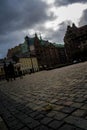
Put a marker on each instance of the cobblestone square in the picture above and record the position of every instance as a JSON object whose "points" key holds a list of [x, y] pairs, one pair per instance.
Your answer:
{"points": [[53, 99]]}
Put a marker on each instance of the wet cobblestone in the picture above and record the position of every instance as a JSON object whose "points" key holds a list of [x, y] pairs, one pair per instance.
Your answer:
{"points": [[46, 100]]}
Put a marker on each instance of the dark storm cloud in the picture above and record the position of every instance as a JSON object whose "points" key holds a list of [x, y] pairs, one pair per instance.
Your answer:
{"points": [[22, 14], [58, 35], [67, 2], [9, 41], [17, 16], [83, 19]]}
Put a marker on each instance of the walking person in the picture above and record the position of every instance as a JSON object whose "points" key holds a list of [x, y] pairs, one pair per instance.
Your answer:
{"points": [[11, 71], [6, 71]]}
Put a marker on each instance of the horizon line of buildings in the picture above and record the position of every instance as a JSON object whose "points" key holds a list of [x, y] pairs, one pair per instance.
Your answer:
{"points": [[37, 54]]}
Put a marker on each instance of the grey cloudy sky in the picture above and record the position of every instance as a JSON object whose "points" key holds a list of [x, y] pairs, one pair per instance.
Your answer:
{"points": [[49, 18]]}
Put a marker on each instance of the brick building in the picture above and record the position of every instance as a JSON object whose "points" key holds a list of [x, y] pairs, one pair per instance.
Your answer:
{"points": [[47, 54], [14, 51], [76, 43]]}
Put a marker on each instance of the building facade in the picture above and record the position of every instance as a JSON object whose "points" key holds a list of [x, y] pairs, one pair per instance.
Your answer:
{"points": [[47, 54], [28, 64], [76, 43]]}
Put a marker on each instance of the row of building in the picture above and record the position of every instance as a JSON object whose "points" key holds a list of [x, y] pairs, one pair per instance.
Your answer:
{"points": [[75, 40], [37, 54]]}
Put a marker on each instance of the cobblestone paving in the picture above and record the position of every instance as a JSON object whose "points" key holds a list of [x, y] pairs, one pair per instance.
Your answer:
{"points": [[46, 100]]}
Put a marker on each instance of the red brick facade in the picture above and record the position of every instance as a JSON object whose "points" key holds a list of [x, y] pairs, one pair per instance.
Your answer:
{"points": [[48, 54], [76, 43]]}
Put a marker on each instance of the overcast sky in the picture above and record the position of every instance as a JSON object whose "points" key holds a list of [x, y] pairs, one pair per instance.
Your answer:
{"points": [[48, 18]]}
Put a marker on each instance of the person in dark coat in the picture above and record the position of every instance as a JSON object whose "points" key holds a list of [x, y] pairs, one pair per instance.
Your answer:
{"points": [[11, 71], [6, 72]]}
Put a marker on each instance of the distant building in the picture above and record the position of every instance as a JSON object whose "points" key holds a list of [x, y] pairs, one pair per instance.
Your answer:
{"points": [[76, 43], [14, 51], [28, 64], [47, 54]]}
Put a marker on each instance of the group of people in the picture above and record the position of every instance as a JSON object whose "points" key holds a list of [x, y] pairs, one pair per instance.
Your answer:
{"points": [[9, 71]]}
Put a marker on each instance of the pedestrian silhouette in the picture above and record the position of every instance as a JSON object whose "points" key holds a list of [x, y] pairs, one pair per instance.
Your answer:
{"points": [[11, 71], [6, 71]]}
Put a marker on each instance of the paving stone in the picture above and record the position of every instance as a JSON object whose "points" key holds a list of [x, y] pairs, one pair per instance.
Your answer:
{"points": [[69, 127], [52, 113], [80, 100], [15, 112], [79, 122], [53, 101], [27, 120], [60, 102], [42, 127], [79, 113], [44, 112], [84, 107], [60, 115], [10, 119], [34, 114], [77, 105], [7, 116], [39, 117], [15, 125], [46, 120], [18, 126], [21, 116], [57, 107], [33, 124], [12, 110], [55, 124], [39, 102], [68, 109], [39, 108], [68, 103], [24, 128]]}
